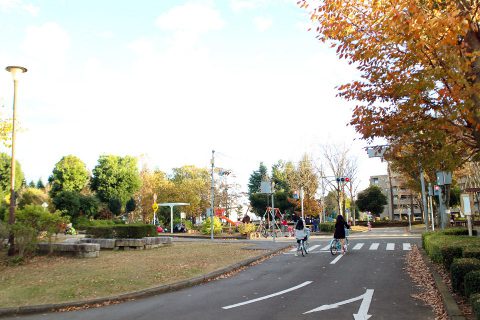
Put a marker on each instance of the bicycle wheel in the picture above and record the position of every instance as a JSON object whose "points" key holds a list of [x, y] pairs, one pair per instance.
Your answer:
{"points": [[306, 245], [265, 233], [334, 247], [302, 247]]}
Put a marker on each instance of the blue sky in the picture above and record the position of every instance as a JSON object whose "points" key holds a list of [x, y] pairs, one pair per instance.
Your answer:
{"points": [[169, 81]]}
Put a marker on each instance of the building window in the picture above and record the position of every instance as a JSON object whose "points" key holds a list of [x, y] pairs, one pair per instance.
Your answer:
{"points": [[375, 181]]}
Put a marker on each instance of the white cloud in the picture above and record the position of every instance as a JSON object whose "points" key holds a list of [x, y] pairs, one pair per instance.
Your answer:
{"points": [[262, 23], [11, 5], [46, 46], [192, 18]]}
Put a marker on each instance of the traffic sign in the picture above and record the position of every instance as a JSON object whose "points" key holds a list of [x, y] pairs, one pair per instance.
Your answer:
{"points": [[155, 207]]}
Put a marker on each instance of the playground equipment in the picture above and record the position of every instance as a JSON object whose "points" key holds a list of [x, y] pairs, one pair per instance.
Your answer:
{"points": [[220, 213]]}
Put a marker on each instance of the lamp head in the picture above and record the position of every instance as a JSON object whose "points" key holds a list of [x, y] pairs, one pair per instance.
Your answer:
{"points": [[16, 71]]}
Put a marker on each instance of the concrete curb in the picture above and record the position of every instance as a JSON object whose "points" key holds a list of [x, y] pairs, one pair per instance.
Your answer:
{"points": [[4, 312], [449, 302]]}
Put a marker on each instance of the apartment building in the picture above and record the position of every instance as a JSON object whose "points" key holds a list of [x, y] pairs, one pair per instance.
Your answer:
{"points": [[403, 199]]}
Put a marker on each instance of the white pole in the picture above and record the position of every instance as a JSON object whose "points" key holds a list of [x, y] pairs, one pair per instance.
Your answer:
{"points": [[301, 198], [273, 215], [171, 219]]}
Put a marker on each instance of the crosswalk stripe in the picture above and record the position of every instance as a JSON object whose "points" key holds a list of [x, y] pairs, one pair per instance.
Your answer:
{"points": [[374, 246], [358, 246], [294, 249], [313, 247], [406, 246], [390, 246], [327, 247]]}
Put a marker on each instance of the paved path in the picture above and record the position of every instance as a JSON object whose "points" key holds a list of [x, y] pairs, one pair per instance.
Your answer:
{"points": [[368, 280]]}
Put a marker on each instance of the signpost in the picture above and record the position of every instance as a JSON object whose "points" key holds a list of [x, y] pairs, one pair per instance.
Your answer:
{"points": [[466, 209]]}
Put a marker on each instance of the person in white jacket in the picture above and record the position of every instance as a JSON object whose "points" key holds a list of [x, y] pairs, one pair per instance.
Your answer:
{"points": [[300, 233]]}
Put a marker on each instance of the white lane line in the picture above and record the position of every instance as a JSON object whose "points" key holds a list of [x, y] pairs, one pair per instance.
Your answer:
{"points": [[336, 259], [313, 247], [358, 246], [374, 246], [390, 246], [327, 247], [306, 283], [406, 246]]}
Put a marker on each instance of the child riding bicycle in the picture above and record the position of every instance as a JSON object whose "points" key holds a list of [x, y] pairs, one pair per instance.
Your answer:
{"points": [[301, 234], [341, 229]]}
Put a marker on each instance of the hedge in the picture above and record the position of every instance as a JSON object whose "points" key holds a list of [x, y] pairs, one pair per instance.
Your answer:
{"points": [[459, 269], [129, 231], [433, 242], [327, 227], [449, 253], [472, 283], [473, 252], [458, 232], [475, 302]]}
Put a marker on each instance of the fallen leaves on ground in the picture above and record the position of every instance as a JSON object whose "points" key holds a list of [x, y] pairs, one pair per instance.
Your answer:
{"points": [[423, 278]]}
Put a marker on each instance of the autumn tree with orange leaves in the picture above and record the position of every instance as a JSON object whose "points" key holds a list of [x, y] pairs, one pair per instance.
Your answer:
{"points": [[420, 70]]}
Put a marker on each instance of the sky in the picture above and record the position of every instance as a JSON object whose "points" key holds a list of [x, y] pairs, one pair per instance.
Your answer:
{"points": [[170, 81]]}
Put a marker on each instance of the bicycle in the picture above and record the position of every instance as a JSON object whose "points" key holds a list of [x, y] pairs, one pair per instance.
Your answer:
{"points": [[304, 244], [336, 245]]}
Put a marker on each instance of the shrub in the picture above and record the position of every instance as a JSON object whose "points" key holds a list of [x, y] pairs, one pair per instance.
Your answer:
{"points": [[25, 238], [129, 231], [327, 227], [217, 226], [472, 283], [246, 228], [475, 302], [83, 223], [471, 252], [458, 270], [449, 253], [189, 224], [458, 232]]}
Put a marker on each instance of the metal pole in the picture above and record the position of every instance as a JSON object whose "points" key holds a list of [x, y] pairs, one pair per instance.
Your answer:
{"points": [[323, 200], [424, 198], [11, 217], [338, 193], [273, 214], [441, 209], [213, 197]]}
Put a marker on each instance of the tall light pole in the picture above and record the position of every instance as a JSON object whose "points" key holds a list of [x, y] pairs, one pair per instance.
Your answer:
{"points": [[15, 71], [213, 196]]}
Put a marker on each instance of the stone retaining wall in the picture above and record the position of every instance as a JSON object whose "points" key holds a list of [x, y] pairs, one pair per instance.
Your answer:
{"points": [[80, 250]]}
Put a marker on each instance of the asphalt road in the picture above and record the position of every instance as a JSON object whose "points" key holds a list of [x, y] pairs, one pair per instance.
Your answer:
{"points": [[367, 282]]}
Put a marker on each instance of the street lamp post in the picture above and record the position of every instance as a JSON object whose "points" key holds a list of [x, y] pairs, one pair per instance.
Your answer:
{"points": [[15, 71]]}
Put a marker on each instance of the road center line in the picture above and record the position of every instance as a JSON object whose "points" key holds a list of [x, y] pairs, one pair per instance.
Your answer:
{"points": [[336, 259], [306, 283]]}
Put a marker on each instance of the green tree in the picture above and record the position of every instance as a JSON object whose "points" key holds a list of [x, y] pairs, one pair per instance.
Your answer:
{"points": [[31, 184], [88, 205], [371, 199], [130, 205], [32, 196], [256, 179], [116, 177], [40, 184], [5, 165], [115, 206], [69, 203], [69, 174]]}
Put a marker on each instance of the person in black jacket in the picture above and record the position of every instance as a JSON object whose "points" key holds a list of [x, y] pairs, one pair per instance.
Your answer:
{"points": [[340, 226]]}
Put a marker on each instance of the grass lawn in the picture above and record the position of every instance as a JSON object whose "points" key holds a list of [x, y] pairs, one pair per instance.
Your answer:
{"points": [[59, 279]]}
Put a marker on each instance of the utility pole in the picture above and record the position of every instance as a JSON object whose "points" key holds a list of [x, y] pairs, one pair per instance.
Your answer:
{"points": [[213, 197]]}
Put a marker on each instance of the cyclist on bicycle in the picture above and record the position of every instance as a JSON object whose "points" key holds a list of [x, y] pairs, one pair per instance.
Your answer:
{"points": [[300, 233], [340, 226]]}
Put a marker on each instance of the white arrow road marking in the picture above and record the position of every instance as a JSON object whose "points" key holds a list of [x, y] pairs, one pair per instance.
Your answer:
{"points": [[362, 313], [406, 246], [336, 259], [306, 283], [390, 246]]}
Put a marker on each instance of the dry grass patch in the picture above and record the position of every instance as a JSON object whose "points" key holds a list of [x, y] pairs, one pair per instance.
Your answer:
{"points": [[57, 279]]}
